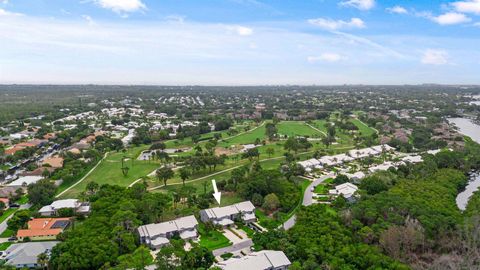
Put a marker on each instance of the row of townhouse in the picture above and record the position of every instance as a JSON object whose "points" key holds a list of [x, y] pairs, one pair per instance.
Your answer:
{"points": [[156, 235], [327, 161]]}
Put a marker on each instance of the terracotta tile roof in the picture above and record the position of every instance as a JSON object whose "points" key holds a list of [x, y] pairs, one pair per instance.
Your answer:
{"points": [[44, 223], [13, 150], [55, 162], [49, 136], [32, 233], [41, 227]]}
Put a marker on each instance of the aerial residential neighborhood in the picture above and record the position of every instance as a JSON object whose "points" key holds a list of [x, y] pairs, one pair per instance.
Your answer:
{"points": [[239, 193], [240, 135]]}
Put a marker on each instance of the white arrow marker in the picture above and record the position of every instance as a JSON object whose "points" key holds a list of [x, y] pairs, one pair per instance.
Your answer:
{"points": [[217, 195]]}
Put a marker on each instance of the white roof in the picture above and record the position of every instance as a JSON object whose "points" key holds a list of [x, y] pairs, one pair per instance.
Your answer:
{"points": [[434, 152], [159, 241], [227, 211], [157, 229], [224, 222], [221, 212], [246, 206], [25, 179], [46, 209], [249, 216], [262, 260], [67, 203], [413, 159], [27, 253], [382, 167], [187, 222], [188, 234], [346, 189], [358, 175]]}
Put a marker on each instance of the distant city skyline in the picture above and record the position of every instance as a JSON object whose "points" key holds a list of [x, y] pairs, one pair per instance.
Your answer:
{"points": [[240, 42]]}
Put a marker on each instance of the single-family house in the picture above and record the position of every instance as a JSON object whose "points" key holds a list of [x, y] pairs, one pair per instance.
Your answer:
{"points": [[25, 255], [346, 189], [43, 229], [412, 159], [54, 162], [225, 216], [78, 207], [356, 176], [25, 181], [262, 260], [381, 167], [6, 202], [156, 235]]}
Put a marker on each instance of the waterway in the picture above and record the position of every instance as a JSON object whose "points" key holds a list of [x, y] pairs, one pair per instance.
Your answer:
{"points": [[468, 128]]}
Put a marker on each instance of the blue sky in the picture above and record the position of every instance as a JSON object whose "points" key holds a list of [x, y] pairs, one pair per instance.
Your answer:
{"points": [[240, 42]]}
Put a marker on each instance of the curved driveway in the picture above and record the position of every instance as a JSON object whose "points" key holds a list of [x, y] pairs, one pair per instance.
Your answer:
{"points": [[307, 198]]}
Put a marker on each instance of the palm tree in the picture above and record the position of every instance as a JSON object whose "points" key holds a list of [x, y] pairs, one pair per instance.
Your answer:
{"points": [[184, 174], [42, 259]]}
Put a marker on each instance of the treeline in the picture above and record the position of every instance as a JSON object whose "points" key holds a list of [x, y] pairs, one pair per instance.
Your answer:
{"points": [[109, 232], [320, 240], [405, 218]]}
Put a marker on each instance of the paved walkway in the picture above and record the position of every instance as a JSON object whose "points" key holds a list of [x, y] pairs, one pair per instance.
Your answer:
{"points": [[83, 178], [244, 132], [213, 174], [231, 236], [325, 134]]}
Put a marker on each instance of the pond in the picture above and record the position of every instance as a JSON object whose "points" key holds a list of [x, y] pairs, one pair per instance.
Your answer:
{"points": [[468, 128]]}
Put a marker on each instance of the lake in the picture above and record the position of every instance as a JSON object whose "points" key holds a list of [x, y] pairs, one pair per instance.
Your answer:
{"points": [[468, 128]]}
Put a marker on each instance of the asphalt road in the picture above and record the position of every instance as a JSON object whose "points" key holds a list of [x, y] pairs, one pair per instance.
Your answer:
{"points": [[233, 248]]}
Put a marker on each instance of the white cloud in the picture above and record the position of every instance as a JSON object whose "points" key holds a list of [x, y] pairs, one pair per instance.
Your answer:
{"points": [[4, 2], [450, 18], [329, 24], [469, 6], [126, 52], [89, 19], [326, 57], [4, 12], [120, 6], [384, 50], [477, 24], [435, 57], [359, 4], [175, 18], [397, 10], [241, 30]]}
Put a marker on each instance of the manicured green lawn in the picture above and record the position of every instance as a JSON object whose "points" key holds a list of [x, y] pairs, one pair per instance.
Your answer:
{"points": [[297, 128], [321, 189], [246, 138], [265, 220], [320, 124], [213, 239], [364, 129], [247, 230], [7, 233], [23, 200], [4, 246], [7, 213], [109, 171], [226, 256]]}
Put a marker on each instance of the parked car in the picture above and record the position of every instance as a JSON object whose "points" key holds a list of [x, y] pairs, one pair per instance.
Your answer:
{"points": [[14, 205], [12, 238]]}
